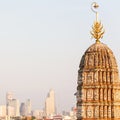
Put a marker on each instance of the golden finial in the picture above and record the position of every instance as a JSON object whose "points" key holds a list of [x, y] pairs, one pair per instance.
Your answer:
{"points": [[97, 28]]}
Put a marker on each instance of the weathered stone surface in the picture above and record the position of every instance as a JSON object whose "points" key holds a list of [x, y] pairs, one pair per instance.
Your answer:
{"points": [[98, 90]]}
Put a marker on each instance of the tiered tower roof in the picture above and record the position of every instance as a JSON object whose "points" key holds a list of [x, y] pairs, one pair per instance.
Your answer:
{"points": [[98, 89]]}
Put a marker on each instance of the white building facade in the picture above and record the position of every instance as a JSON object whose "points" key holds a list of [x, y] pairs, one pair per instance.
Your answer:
{"points": [[50, 103]]}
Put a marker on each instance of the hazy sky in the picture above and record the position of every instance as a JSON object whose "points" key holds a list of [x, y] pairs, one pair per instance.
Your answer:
{"points": [[41, 44]]}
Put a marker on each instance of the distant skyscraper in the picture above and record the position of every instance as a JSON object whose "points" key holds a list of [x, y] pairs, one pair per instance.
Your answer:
{"points": [[50, 103], [28, 107], [12, 105], [22, 109], [9, 97], [15, 104]]}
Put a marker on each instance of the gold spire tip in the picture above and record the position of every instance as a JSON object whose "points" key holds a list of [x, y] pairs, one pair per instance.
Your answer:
{"points": [[97, 28]]}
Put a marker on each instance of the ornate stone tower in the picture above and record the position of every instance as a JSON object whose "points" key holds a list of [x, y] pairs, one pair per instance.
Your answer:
{"points": [[98, 89]]}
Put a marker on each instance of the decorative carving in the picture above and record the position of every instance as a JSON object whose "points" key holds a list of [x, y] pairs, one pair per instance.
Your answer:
{"points": [[96, 112], [109, 112], [105, 94], [104, 77], [89, 78], [101, 111], [112, 77], [89, 112], [117, 95], [101, 94], [96, 94], [86, 60], [89, 94], [98, 91], [84, 94], [108, 77], [117, 112], [96, 59], [105, 111], [83, 111], [109, 94], [91, 60], [112, 94], [97, 31], [96, 77]]}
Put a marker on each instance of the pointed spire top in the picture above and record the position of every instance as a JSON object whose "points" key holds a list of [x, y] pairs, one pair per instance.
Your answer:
{"points": [[94, 8], [97, 28]]}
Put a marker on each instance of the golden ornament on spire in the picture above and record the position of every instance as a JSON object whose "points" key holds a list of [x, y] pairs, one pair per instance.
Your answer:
{"points": [[97, 31], [97, 28]]}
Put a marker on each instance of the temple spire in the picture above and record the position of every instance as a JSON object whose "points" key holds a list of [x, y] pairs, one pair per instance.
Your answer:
{"points": [[97, 28]]}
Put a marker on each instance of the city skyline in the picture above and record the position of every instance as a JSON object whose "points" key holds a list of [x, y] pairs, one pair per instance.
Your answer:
{"points": [[42, 43], [14, 107], [20, 110]]}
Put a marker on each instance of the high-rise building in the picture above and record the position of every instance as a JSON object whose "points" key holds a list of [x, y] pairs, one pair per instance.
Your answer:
{"points": [[9, 97], [50, 103], [22, 109], [28, 107], [12, 105], [98, 89], [16, 105]]}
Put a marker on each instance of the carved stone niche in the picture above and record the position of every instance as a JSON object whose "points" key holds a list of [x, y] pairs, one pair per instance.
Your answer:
{"points": [[101, 94], [89, 94], [86, 61], [96, 77], [91, 60], [105, 94], [105, 111], [104, 77], [100, 76], [109, 94], [108, 77], [96, 112], [96, 94], [89, 112], [89, 78], [83, 112], [96, 59], [117, 111], [111, 77], [109, 111], [101, 111], [117, 95], [81, 78], [100, 59]]}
